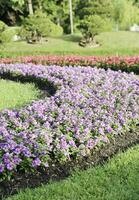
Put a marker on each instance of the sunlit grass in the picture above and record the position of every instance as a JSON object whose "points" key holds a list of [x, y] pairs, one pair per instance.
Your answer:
{"points": [[13, 94], [112, 43]]}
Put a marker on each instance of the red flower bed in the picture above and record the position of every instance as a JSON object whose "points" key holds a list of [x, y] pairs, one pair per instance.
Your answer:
{"points": [[128, 64]]}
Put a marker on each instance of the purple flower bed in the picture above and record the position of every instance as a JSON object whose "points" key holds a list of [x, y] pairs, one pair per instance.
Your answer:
{"points": [[90, 106]]}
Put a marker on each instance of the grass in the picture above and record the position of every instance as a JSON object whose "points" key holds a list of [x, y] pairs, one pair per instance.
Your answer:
{"points": [[112, 43], [116, 180], [13, 94]]}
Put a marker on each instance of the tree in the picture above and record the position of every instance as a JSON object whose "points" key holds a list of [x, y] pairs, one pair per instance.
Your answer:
{"points": [[121, 12], [93, 17], [11, 10], [91, 26], [136, 2], [125, 14], [71, 16], [130, 16], [102, 8], [118, 12], [30, 7], [58, 11]]}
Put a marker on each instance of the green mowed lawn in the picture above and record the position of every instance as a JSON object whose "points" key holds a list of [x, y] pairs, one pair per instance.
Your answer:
{"points": [[116, 180], [13, 94], [112, 43]]}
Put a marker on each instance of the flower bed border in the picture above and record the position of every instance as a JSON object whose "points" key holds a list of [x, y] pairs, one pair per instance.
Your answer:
{"points": [[123, 63]]}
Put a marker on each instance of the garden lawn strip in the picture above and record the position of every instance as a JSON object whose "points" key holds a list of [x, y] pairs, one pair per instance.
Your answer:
{"points": [[16, 95], [112, 43]]}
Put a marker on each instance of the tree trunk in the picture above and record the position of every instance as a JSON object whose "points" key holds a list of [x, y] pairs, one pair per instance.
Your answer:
{"points": [[117, 26], [30, 7], [71, 16]]}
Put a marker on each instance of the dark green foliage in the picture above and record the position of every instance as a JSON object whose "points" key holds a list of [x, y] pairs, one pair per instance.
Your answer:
{"points": [[102, 8], [58, 11], [136, 2], [11, 11]]}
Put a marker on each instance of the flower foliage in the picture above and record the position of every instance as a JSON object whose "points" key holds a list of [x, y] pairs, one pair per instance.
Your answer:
{"points": [[128, 64], [90, 106]]}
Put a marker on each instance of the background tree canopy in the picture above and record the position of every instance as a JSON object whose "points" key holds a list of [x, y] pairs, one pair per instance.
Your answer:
{"points": [[90, 17], [13, 11]]}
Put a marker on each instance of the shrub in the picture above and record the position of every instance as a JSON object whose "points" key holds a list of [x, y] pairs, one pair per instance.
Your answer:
{"points": [[9, 33], [56, 30], [93, 25], [38, 26], [3, 26]]}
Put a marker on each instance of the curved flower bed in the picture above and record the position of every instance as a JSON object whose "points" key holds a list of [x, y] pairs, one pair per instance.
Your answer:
{"points": [[128, 64], [90, 106]]}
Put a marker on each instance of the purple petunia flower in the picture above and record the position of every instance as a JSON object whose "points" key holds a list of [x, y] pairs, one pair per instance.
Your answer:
{"points": [[1, 168], [36, 162]]}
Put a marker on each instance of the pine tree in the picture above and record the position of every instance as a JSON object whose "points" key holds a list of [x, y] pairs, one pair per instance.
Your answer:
{"points": [[95, 18], [103, 8]]}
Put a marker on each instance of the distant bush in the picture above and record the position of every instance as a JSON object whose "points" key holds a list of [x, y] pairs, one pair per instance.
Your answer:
{"points": [[125, 14], [39, 26], [56, 30], [3, 26], [9, 33]]}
